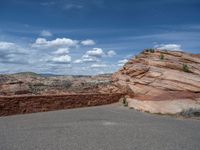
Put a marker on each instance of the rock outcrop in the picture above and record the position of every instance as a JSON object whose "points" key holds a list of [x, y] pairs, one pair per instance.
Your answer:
{"points": [[161, 81]]}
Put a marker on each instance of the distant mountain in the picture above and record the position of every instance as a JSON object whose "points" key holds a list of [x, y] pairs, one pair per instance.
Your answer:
{"points": [[56, 75], [50, 75], [27, 73]]}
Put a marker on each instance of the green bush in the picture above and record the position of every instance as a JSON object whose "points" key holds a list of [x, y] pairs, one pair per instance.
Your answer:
{"points": [[162, 57], [185, 68], [151, 50], [191, 112], [125, 103]]}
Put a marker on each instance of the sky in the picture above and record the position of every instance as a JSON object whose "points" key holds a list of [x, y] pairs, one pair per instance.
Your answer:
{"points": [[89, 37]]}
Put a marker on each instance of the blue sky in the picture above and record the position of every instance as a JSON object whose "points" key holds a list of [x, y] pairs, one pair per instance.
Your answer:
{"points": [[91, 36]]}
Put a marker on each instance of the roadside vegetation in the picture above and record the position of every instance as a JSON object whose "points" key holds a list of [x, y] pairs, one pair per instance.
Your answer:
{"points": [[192, 112], [125, 102]]}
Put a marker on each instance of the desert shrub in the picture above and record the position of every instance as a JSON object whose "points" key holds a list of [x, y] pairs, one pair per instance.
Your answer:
{"points": [[162, 57], [125, 103], [151, 50], [61, 84], [34, 89], [39, 84], [192, 112], [185, 68]]}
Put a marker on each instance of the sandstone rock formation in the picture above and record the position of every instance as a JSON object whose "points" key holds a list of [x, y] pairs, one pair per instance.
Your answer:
{"points": [[161, 81]]}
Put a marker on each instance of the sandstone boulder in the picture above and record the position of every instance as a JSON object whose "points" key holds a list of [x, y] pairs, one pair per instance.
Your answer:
{"points": [[154, 79]]}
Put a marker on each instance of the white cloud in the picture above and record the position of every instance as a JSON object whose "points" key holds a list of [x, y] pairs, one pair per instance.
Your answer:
{"points": [[98, 65], [78, 61], [86, 59], [59, 42], [95, 52], [7, 45], [62, 59], [89, 59], [173, 47], [111, 53], [11, 53], [46, 33], [122, 62], [72, 6], [91, 56], [52, 56], [88, 42], [62, 51]]}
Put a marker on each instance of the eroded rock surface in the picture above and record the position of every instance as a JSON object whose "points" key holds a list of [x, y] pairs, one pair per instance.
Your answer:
{"points": [[153, 79]]}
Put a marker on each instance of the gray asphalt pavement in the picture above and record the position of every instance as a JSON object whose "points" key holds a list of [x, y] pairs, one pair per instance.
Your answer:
{"points": [[110, 127]]}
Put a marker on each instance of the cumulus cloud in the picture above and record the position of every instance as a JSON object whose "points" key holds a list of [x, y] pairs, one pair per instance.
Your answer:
{"points": [[98, 65], [88, 42], [94, 55], [62, 59], [46, 33], [59, 42], [61, 51], [173, 47], [91, 56], [95, 52], [122, 62], [111, 53]]}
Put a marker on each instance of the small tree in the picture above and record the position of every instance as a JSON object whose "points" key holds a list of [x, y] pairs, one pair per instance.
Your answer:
{"points": [[185, 68]]}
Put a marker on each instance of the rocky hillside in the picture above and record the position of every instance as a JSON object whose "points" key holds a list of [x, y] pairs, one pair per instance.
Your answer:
{"points": [[34, 84], [161, 81]]}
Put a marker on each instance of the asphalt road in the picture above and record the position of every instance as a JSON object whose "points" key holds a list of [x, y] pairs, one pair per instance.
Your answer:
{"points": [[110, 127]]}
